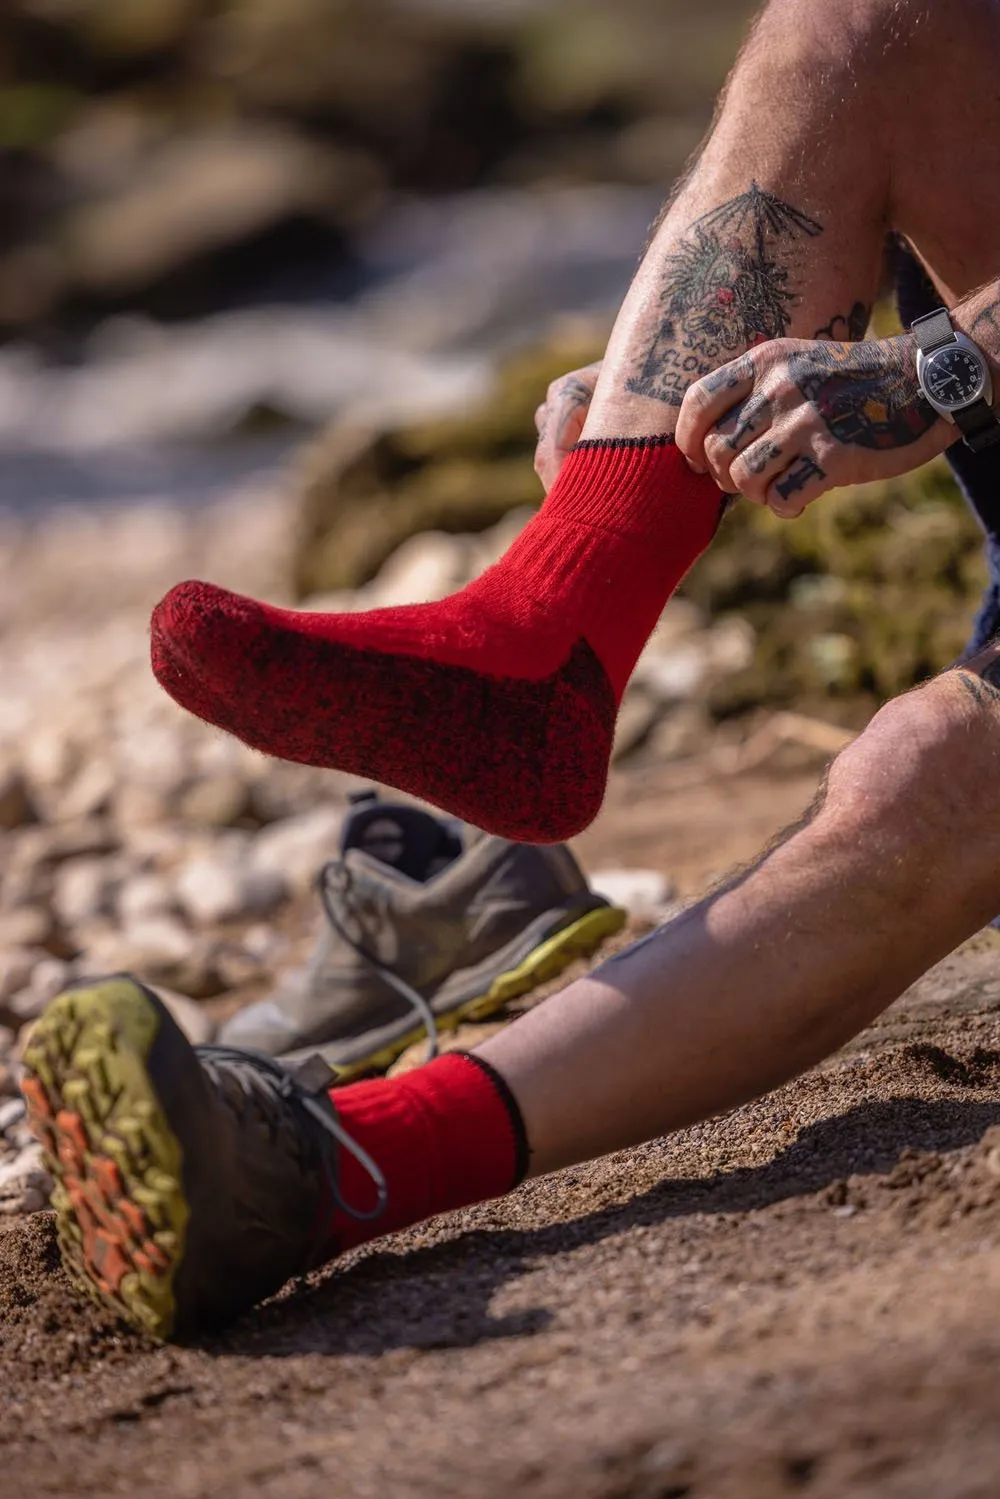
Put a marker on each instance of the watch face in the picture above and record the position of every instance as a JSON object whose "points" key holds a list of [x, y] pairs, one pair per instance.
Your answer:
{"points": [[954, 377]]}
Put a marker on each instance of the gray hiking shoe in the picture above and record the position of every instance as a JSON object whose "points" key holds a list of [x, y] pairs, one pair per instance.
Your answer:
{"points": [[191, 1182], [429, 924]]}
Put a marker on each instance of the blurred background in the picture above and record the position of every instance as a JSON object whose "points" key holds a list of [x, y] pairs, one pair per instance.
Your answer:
{"points": [[281, 285]]}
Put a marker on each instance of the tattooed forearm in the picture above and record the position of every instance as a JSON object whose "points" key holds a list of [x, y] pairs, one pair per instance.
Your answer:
{"points": [[866, 393], [762, 455], [847, 329], [727, 286], [802, 472]]}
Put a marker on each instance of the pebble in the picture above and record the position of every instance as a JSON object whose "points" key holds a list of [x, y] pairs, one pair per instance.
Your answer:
{"points": [[641, 892], [212, 890], [83, 890], [297, 847]]}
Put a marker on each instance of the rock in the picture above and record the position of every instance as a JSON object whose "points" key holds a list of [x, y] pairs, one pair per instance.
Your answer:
{"points": [[17, 808], [198, 1027], [422, 569], [463, 1038], [143, 897], [211, 890], [26, 926], [363, 493], [297, 847], [642, 892], [674, 674], [11, 1113], [88, 795], [162, 952], [215, 801], [48, 978], [25, 1185], [636, 718], [83, 890], [16, 968]]}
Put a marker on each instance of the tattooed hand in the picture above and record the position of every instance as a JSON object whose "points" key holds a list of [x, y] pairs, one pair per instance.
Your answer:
{"points": [[560, 418], [792, 419]]}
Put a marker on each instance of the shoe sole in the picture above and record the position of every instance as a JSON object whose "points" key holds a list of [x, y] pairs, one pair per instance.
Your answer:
{"points": [[121, 1212], [577, 940]]}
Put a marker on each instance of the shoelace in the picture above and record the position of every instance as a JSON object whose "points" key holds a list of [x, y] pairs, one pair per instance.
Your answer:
{"points": [[336, 873], [297, 1088]]}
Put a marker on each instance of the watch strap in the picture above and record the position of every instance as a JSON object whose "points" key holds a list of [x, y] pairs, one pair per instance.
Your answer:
{"points": [[978, 425], [933, 331]]}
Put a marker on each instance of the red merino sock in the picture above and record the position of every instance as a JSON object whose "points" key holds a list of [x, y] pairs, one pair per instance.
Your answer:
{"points": [[444, 1136], [498, 703]]}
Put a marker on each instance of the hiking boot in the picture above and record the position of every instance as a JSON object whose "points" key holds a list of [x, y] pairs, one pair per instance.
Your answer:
{"points": [[429, 923], [191, 1182]]}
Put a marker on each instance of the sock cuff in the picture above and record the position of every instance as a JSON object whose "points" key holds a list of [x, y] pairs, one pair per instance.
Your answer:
{"points": [[522, 1150], [664, 440]]}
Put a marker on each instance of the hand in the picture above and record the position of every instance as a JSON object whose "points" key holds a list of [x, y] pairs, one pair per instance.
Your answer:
{"points": [[791, 419], [560, 418]]}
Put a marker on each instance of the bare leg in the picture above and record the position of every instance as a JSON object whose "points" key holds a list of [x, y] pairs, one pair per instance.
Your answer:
{"points": [[899, 863], [836, 126]]}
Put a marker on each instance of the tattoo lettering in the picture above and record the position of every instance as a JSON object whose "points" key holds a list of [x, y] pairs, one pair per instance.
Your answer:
{"points": [[847, 329], [747, 417], [761, 455], [726, 288], [799, 477], [866, 393], [730, 376]]}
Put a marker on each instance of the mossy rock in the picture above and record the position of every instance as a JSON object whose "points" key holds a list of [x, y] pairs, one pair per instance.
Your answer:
{"points": [[871, 591], [362, 493]]}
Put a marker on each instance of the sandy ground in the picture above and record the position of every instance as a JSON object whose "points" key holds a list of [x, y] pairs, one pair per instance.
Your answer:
{"points": [[799, 1297]]}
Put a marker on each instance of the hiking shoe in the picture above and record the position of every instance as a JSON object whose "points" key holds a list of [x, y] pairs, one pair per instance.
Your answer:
{"points": [[429, 923], [191, 1182]]}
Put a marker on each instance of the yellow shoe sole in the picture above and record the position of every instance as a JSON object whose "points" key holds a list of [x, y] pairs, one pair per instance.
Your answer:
{"points": [[121, 1213], [578, 940]]}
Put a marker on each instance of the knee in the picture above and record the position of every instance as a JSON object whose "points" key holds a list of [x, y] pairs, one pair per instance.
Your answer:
{"points": [[924, 777]]}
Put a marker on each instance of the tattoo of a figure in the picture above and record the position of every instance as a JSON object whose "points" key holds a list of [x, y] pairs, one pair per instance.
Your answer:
{"points": [[866, 393], [801, 474], [761, 455], [727, 287], [847, 329]]}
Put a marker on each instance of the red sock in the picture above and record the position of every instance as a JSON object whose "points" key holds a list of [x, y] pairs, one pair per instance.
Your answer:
{"points": [[444, 1136], [498, 703]]}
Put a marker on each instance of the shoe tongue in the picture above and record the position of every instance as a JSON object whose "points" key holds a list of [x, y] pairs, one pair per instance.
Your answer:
{"points": [[415, 842]]}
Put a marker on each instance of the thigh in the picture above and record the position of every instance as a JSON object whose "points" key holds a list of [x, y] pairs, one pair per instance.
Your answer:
{"points": [[944, 142]]}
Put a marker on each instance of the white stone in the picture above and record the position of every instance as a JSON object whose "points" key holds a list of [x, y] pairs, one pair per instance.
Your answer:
{"points": [[298, 846], [48, 978], [88, 794], [11, 1113], [16, 968], [641, 892], [25, 926], [82, 890], [423, 568], [673, 675], [211, 890], [143, 897], [197, 1026], [150, 943]]}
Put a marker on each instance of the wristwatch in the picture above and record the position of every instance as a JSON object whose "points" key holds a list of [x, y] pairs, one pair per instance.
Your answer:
{"points": [[954, 376]]}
